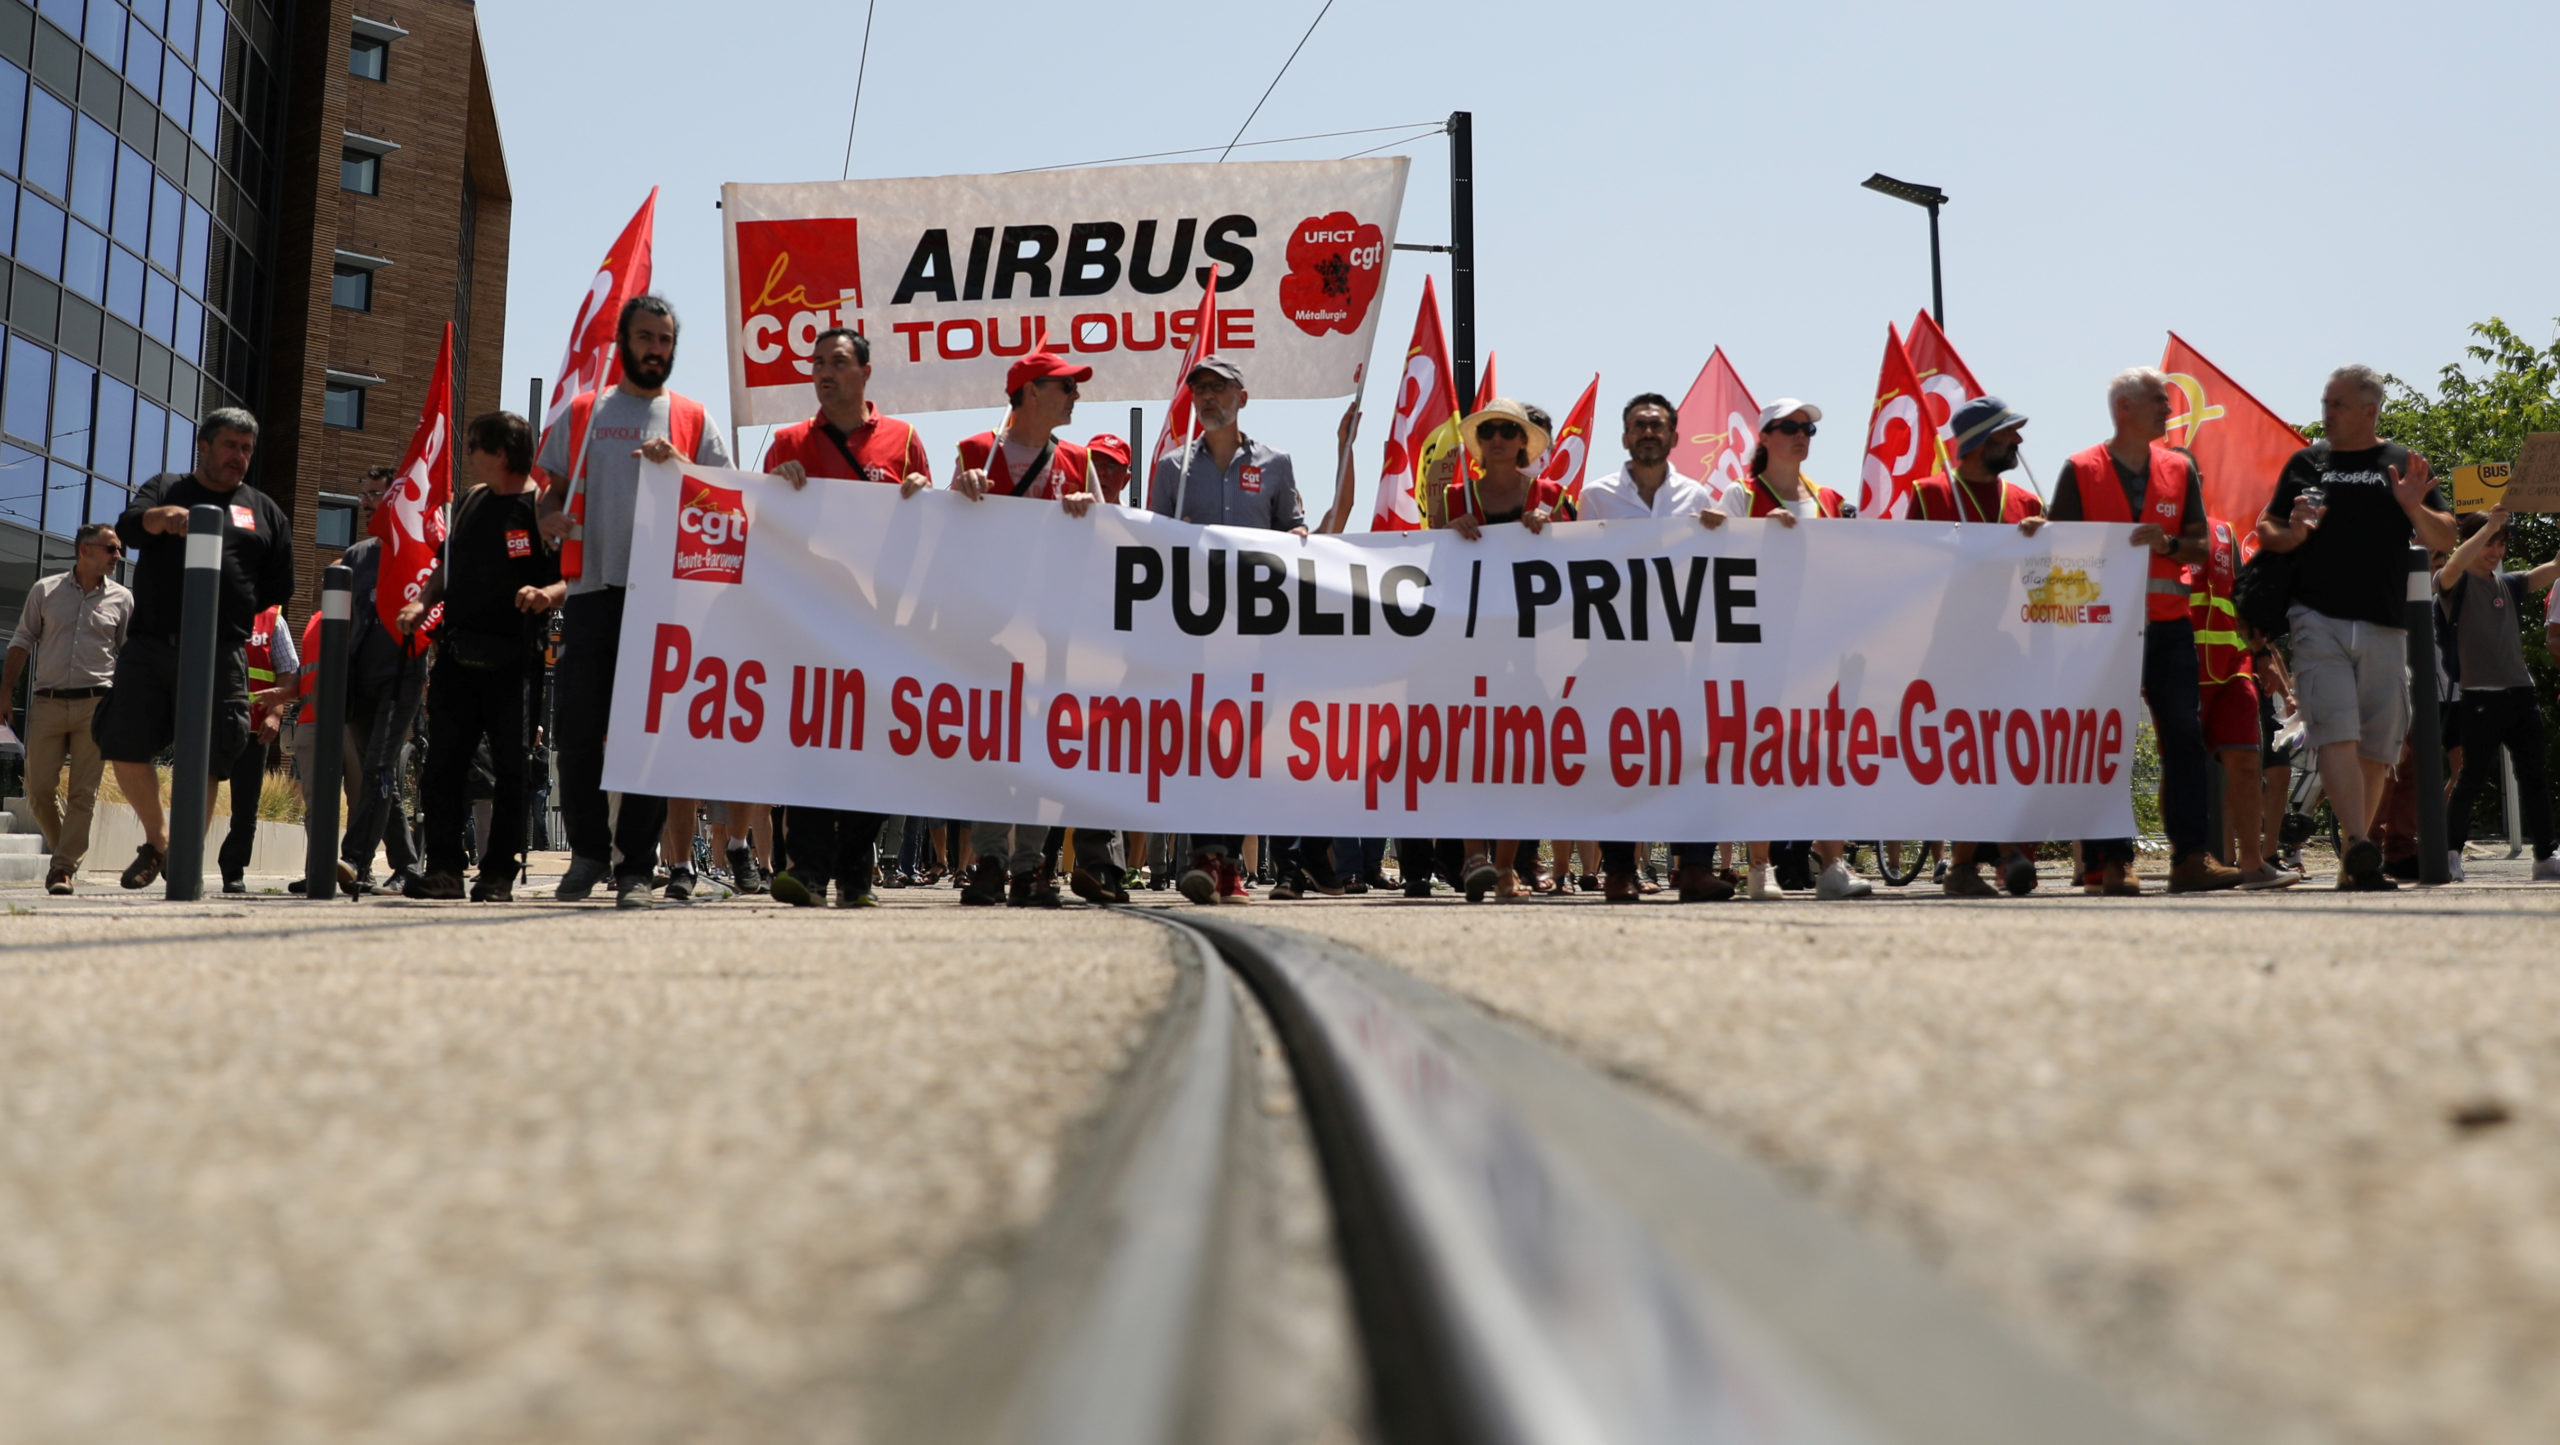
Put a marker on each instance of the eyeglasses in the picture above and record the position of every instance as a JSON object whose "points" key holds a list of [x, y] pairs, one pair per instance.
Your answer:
{"points": [[1501, 431], [112, 549], [1791, 428]]}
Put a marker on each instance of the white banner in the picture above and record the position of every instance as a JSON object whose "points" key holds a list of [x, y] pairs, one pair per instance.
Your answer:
{"points": [[953, 277], [1649, 679]]}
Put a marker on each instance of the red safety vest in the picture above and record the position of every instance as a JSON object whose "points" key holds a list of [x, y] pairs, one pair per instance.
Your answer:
{"points": [[685, 421], [980, 454], [2164, 501], [262, 658], [2221, 653], [310, 657]]}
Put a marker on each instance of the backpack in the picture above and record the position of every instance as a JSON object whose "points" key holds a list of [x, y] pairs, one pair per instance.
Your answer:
{"points": [[2264, 589]]}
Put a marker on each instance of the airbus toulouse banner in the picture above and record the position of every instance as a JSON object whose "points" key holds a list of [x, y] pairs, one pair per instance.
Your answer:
{"points": [[1002, 660], [952, 277]]}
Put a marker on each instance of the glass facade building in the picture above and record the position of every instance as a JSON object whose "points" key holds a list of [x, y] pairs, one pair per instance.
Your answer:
{"points": [[137, 145]]}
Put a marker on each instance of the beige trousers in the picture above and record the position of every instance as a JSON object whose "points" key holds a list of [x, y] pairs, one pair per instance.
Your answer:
{"points": [[58, 731]]}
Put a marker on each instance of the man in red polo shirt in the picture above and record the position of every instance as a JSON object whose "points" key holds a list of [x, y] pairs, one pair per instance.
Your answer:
{"points": [[848, 440], [1110, 465]]}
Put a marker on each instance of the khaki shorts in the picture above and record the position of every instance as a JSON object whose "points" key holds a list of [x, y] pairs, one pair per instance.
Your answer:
{"points": [[2351, 680]]}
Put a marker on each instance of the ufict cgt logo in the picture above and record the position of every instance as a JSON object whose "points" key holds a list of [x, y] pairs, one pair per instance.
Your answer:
{"points": [[711, 533], [1335, 264]]}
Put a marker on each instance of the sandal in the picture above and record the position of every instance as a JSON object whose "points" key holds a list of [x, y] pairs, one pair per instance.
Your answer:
{"points": [[1478, 877], [1506, 887]]}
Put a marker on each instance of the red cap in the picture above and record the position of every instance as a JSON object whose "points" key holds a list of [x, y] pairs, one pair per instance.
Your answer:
{"points": [[1043, 363], [1104, 444]]}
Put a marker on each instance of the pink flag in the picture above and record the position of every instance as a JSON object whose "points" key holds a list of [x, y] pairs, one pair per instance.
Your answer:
{"points": [[411, 520], [1719, 425]]}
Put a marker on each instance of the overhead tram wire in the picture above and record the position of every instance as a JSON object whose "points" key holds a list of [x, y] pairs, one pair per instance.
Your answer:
{"points": [[860, 68], [1441, 129], [1426, 126], [1275, 80]]}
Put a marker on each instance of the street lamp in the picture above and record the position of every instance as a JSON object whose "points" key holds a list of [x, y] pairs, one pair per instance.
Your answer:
{"points": [[1932, 198]]}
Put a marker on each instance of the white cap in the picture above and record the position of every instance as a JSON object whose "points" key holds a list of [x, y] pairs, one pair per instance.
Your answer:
{"points": [[1787, 406]]}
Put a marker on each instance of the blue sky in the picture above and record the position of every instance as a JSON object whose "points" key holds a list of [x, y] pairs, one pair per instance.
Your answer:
{"points": [[2290, 186]]}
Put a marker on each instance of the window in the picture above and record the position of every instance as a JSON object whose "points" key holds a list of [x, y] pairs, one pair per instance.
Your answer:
{"points": [[124, 285], [27, 397], [48, 165], [336, 524], [352, 288], [360, 172], [74, 390], [40, 237], [368, 57], [93, 172], [13, 115], [84, 262], [343, 406]]}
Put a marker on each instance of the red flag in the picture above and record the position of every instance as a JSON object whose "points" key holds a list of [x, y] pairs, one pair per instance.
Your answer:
{"points": [[1484, 385], [1719, 426], [1569, 456], [411, 520], [592, 361], [1901, 445], [1426, 411], [1176, 430], [2239, 445], [1944, 379]]}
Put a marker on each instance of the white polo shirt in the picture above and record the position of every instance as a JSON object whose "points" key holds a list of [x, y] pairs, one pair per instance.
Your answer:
{"points": [[1614, 498]]}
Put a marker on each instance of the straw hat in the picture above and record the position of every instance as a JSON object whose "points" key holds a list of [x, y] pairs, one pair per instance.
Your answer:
{"points": [[1504, 408]]}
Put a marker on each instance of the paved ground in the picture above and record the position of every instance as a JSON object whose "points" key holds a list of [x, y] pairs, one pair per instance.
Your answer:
{"points": [[277, 1172], [2279, 1168]]}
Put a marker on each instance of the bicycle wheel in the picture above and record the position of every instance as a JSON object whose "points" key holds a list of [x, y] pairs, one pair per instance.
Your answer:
{"points": [[1900, 862]]}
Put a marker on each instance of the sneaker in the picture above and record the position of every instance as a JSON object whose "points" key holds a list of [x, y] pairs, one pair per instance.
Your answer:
{"points": [[233, 883], [1697, 884], [581, 879], [2202, 873], [1967, 882], [2545, 870], [2360, 868], [1479, 877], [434, 883], [58, 882], [1322, 879], [2453, 867], [631, 892], [1231, 887], [857, 898], [1287, 890], [983, 885], [1764, 885], [2267, 875], [2018, 874], [744, 871], [680, 885], [1092, 887], [1201, 880], [145, 867], [491, 888], [789, 887], [1837, 882], [1418, 886], [1621, 888]]}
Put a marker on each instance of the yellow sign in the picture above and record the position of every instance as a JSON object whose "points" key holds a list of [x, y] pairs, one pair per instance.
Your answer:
{"points": [[2477, 489]]}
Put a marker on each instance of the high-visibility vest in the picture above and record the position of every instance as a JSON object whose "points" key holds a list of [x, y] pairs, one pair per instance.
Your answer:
{"points": [[1067, 463], [685, 422], [1765, 503], [310, 678], [262, 657], [2221, 654], [2164, 501]]}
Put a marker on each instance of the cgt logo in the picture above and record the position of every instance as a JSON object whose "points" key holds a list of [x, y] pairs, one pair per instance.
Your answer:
{"points": [[795, 279], [1335, 264], [711, 534]]}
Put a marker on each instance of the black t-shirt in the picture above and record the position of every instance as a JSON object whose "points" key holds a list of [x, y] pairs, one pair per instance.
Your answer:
{"points": [[257, 556], [2355, 565], [497, 547]]}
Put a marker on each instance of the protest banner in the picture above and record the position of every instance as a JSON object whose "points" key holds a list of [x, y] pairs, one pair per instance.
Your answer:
{"points": [[2533, 483], [2478, 488], [843, 647], [951, 277]]}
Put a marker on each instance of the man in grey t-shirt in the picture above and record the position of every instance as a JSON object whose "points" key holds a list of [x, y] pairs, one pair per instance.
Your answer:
{"points": [[639, 419], [2499, 707]]}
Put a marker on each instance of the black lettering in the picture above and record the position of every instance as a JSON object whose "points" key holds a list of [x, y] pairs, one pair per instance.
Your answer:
{"points": [[1359, 600], [1202, 623], [1731, 599], [1176, 265], [929, 269], [1399, 621], [1313, 621], [1092, 265], [1534, 585], [1637, 618], [1682, 612], [1262, 599], [1010, 262], [982, 243], [1217, 247], [1595, 590], [1139, 578]]}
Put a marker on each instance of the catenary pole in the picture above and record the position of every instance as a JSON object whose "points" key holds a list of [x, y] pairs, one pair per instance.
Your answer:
{"points": [[1462, 253]]}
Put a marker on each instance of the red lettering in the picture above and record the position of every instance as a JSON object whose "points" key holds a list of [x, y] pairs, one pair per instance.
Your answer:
{"points": [[942, 711], [1726, 729], [2110, 743], [1302, 736], [1066, 732], [1922, 698], [1626, 745], [1862, 746], [1164, 745], [909, 729], [674, 652], [709, 714], [1422, 751], [1235, 330], [750, 719], [914, 332], [1226, 738], [2022, 723], [1385, 749], [1569, 742]]}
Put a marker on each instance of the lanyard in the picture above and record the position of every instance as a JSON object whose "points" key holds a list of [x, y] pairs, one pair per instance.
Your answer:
{"points": [[1771, 493]]}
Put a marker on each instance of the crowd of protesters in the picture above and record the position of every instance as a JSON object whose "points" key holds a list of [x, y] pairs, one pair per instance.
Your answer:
{"points": [[2326, 660]]}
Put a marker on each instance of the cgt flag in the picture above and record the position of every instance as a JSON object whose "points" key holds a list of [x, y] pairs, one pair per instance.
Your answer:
{"points": [[1484, 385], [411, 521], [1902, 447], [591, 363], [1560, 481], [1719, 426], [2239, 445], [1426, 408], [1945, 380], [1177, 412]]}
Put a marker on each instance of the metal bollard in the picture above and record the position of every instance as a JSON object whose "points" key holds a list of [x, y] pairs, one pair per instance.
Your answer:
{"points": [[324, 785], [199, 625], [2427, 730]]}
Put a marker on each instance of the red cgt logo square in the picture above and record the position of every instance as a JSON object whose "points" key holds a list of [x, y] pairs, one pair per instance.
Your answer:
{"points": [[795, 279], [711, 534]]}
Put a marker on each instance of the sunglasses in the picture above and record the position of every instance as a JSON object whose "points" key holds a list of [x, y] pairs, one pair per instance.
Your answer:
{"points": [[1791, 428], [110, 548], [1501, 431]]}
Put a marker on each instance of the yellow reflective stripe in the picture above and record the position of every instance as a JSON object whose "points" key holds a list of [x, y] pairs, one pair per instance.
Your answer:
{"points": [[260, 674]]}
